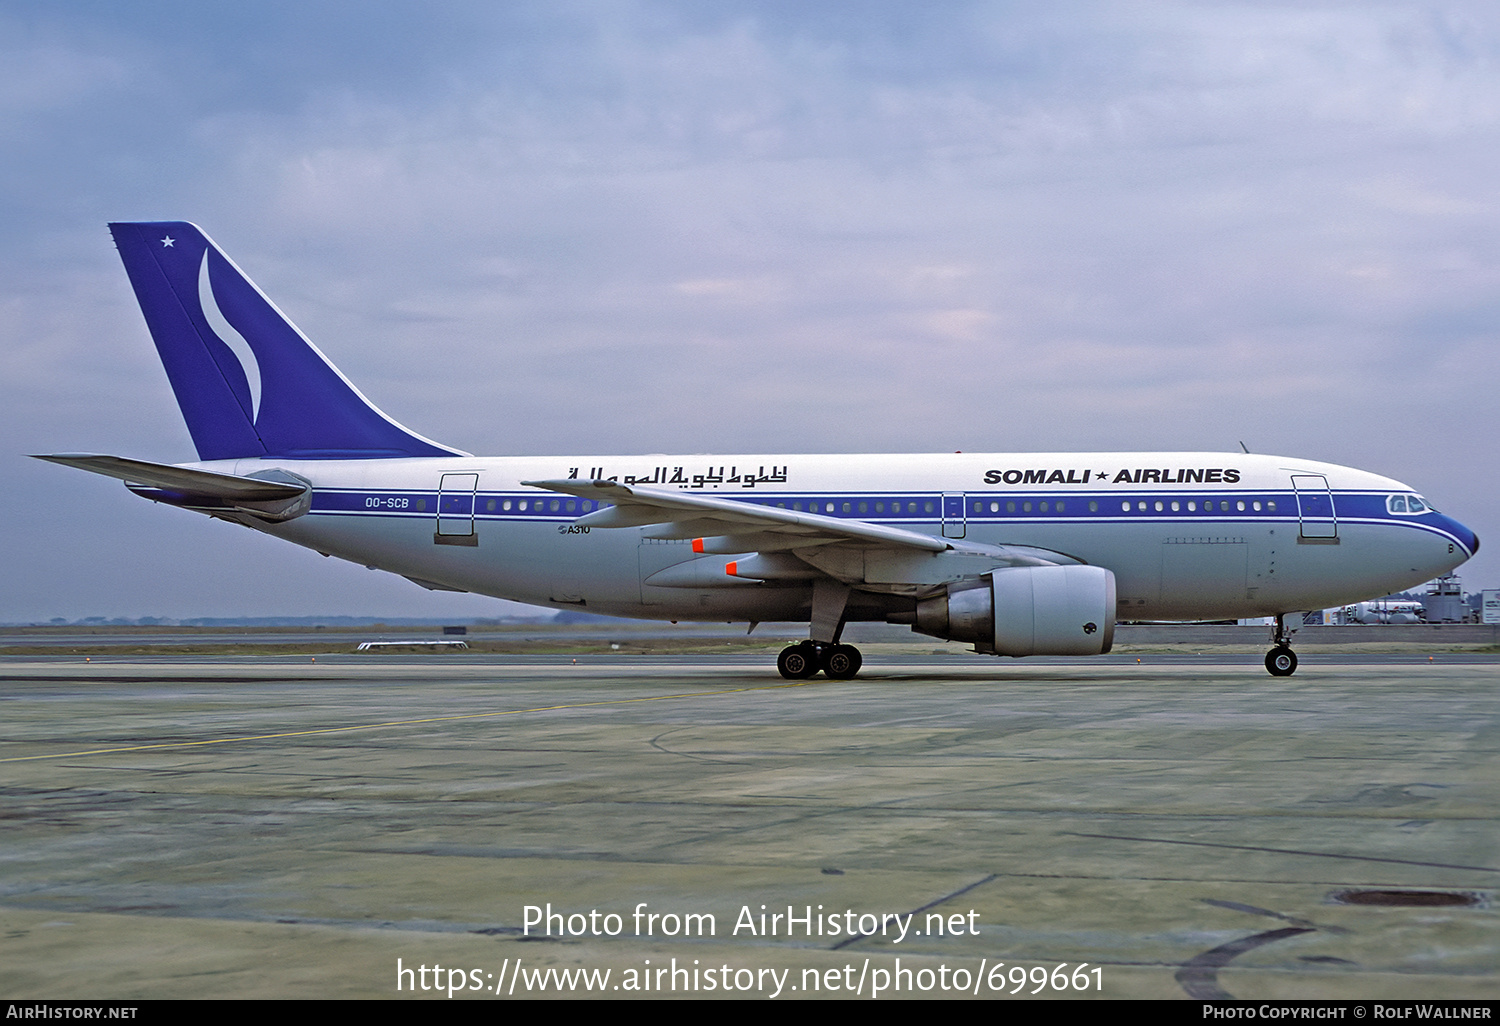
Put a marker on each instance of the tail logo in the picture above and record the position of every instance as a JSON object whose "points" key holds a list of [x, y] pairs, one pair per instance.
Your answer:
{"points": [[229, 336]]}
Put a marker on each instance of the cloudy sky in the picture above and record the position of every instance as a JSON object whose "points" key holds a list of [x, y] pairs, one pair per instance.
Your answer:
{"points": [[700, 226]]}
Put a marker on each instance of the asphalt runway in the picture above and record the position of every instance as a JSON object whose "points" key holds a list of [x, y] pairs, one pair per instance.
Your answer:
{"points": [[276, 828]]}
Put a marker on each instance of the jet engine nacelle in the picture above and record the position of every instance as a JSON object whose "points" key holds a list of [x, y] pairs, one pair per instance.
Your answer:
{"points": [[1027, 610]]}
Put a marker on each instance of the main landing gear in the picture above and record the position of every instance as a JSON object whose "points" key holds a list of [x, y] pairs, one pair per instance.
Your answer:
{"points": [[1281, 661], [805, 659], [822, 651]]}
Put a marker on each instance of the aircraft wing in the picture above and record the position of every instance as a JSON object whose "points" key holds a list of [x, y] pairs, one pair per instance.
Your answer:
{"points": [[634, 506], [729, 525]]}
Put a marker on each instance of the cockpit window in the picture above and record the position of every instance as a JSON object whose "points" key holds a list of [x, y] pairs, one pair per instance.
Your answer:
{"points": [[1407, 504]]}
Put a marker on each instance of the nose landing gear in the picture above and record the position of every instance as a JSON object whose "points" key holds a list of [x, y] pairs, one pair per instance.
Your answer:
{"points": [[1281, 661]]}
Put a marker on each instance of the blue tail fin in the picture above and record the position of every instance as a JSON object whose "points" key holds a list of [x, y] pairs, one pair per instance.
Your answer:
{"points": [[249, 383]]}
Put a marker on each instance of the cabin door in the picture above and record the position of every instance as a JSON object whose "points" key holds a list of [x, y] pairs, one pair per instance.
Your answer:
{"points": [[1315, 507], [953, 514], [455, 510]]}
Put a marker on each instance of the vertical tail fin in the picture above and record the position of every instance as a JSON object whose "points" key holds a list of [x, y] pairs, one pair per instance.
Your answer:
{"points": [[248, 382]]}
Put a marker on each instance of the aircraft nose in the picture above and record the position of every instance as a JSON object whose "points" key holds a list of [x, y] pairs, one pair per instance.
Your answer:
{"points": [[1465, 537]]}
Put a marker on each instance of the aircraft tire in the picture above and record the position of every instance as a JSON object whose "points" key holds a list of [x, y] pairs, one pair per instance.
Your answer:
{"points": [[841, 662], [1281, 661], [797, 662]]}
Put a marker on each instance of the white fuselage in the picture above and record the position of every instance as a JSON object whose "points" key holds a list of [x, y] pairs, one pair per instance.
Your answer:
{"points": [[1187, 535]]}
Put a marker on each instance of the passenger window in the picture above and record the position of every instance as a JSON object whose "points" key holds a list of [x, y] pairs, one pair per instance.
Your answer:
{"points": [[523, 503], [1192, 506], [1159, 506], [1025, 507], [830, 508], [555, 504], [1224, 506], [505, 505], [1010, 507], [1240, 506], [1044, 507], [572, 503], [994, 507], [1271, 505], [1141, 506], [1176, 505], [864, 507], [1093, 507], [1255, 506], [490, 505], [880, 507], [1059, 507], [927, 506]]}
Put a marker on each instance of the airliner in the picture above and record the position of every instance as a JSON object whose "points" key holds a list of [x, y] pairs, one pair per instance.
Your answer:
{"points": [[1015, 553]]}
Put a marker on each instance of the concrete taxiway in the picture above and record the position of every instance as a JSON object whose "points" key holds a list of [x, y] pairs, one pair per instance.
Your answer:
{"points": [[288, 828]]}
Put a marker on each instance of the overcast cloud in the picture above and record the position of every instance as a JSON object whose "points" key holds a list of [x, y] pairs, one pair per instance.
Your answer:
{"points": [[750, 227]]}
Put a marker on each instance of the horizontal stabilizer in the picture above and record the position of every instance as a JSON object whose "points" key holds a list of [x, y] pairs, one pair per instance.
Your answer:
{"points": [[180, 479]]}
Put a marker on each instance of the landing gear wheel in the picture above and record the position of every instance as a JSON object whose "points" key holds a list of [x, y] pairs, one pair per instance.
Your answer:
{"points": [[1281, 661], [797, 662], [841, 662]]}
